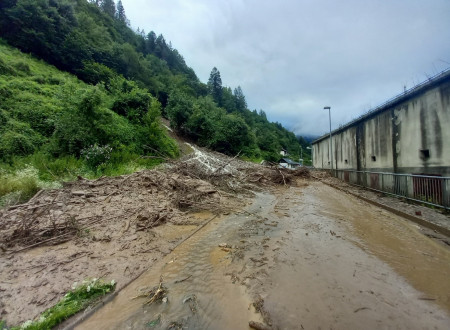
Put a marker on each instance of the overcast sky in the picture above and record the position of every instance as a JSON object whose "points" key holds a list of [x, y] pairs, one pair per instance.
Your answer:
{"points": [[293, 57]]}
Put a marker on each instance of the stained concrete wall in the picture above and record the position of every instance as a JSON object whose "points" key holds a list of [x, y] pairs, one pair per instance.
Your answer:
{"points": [[410, 135]]}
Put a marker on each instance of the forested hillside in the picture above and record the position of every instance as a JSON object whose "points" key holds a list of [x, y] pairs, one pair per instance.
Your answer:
{"points": [[107, 121], [54, 126]]}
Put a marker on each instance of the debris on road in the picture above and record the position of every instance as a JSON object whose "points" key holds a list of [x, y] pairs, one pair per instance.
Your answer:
{"points": [[52, 236]]}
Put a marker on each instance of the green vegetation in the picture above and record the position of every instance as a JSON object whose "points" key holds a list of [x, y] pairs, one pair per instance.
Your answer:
{"points": [[74, 301], [104, 118], [55, 127]]}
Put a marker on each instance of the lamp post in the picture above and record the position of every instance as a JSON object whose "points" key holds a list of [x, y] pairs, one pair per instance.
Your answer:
{"points": [[301, 153], [309, 148], [331, 143]]}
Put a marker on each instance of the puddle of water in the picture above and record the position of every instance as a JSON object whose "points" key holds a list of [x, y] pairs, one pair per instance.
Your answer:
{"points": [[172, 232], [196, 269]]}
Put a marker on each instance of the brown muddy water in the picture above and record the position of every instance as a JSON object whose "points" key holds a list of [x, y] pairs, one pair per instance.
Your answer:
{"points": [[310, 256]]}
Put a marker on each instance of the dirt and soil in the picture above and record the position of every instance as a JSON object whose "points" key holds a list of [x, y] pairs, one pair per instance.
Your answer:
{"points": [[295, 257], [437, 220], [233, 244], [114, 228]]}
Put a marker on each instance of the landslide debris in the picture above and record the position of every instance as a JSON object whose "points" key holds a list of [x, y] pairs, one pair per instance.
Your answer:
{"points": [[116, 227], [141, 201]]}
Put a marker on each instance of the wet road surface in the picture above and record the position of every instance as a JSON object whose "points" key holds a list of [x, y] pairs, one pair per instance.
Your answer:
{"points": [[307, 257]]}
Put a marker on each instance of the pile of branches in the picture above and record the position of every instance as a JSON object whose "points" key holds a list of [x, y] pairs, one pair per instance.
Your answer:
{"points": [[142, 201], [233, 174]]}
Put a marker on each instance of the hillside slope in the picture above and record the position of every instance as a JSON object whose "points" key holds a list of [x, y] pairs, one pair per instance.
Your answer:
{"points": [[54, 126], [93, 40]]}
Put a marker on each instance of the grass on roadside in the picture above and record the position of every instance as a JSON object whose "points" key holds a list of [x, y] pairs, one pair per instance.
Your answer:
{"points": [[25, 176], [80, 297]]}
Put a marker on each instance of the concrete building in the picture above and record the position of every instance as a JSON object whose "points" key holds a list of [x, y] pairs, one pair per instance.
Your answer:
{"points": [[408, 134], [283, 152], [289, 163]]}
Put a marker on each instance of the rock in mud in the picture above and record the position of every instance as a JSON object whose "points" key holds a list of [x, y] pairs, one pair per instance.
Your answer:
{"points": [[258, 326]]}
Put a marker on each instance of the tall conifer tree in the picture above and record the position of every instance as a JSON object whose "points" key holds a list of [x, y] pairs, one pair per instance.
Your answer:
{"points": [[215, 86], [109, 7], [121, 13], [241, 104]]}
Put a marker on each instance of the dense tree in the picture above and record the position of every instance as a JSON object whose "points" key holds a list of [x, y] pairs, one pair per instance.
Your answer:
{"points": [[150, 43], [215, 86], [38, 26], [92, 40], [121, 13], [179, 109], [109, 7], [241, 104], [228, 100]]}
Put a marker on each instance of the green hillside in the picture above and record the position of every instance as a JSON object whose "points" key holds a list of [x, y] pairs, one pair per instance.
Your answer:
{"points": [[54, 126], [103, 119]]}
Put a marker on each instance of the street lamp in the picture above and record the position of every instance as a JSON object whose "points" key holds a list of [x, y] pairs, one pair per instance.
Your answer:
{"points": [[301, 153], [309, 148], [331, 144]]}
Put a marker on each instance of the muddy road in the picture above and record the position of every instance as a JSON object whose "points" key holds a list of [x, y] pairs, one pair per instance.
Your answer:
{"points": [[304, 257]]}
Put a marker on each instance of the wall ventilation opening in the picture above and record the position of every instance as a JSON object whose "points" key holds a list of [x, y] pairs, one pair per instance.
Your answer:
{"points": [[424, 154], [374, 158]]}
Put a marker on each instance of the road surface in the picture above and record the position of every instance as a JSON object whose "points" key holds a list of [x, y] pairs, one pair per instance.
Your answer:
{"points": [[306, 257]]}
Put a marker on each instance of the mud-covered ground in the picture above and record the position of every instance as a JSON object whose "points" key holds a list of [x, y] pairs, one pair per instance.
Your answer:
{"points": [[233, 242], [114, 228], [438, 218], [302, 257]]}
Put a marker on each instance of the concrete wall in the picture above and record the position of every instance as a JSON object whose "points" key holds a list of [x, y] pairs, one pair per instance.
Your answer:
{"points": [[411, 136]]}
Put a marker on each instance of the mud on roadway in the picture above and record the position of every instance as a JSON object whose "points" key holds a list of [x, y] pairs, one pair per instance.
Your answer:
{"points": [[114, 228], [303, 257], [240, 246]]}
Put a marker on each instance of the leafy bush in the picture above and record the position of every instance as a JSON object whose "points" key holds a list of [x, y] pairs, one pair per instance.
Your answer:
{"points": [[39, 79], [21, 185], [19, 140], [23, 67], [179, 109], [53, 169], [96, 155], [3, 119], [233, 135], [5, 68], [94, 73]]}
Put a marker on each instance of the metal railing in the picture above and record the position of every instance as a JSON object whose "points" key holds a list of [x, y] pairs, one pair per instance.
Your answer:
{"points": [[427, 189]]}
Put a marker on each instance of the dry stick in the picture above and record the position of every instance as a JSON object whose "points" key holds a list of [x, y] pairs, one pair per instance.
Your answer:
{"points": [[152, 157], [89, 225], [184, 279], [32, 199], [28, 225], [127, 226], [39, 243], [101, 177], [223, 166], [284, 181], [29, 202], [158, 152], [79, 257]]}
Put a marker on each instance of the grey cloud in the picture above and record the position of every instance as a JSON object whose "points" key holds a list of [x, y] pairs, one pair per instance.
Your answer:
{"points": [[291, 58]]}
